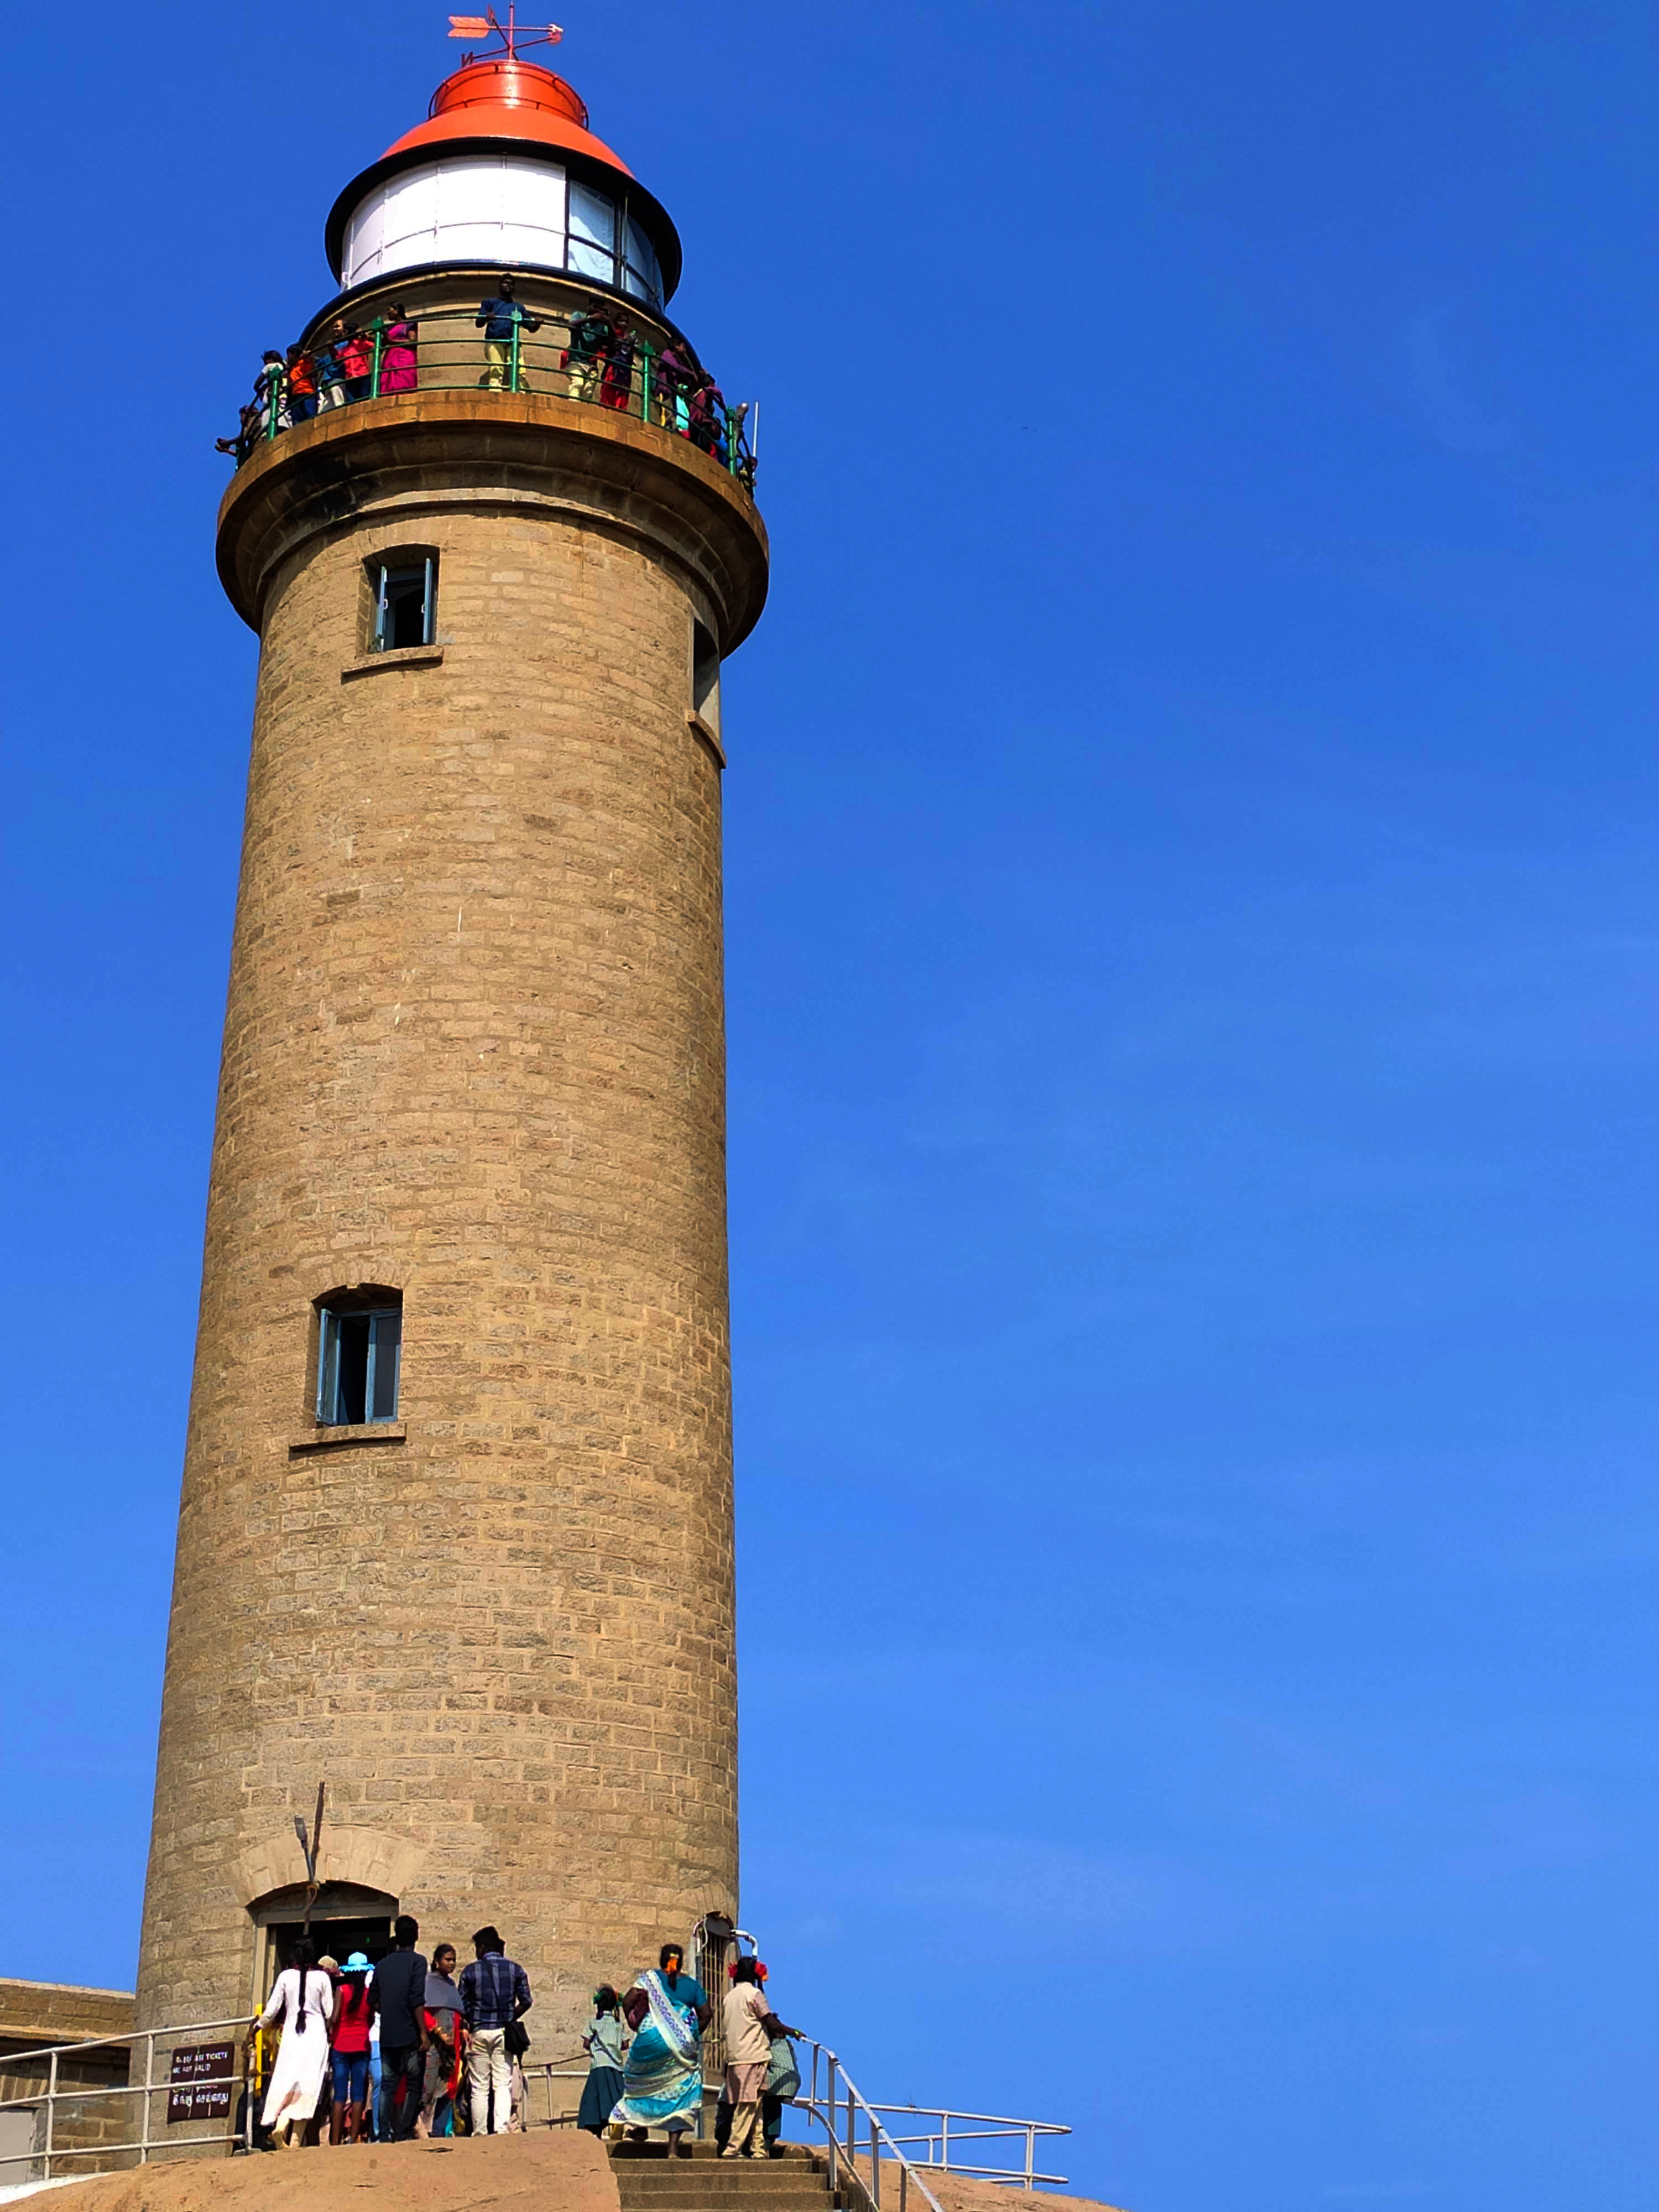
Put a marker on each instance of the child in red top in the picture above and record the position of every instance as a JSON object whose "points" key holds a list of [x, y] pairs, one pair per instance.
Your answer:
{"points": [[354, 2015]]}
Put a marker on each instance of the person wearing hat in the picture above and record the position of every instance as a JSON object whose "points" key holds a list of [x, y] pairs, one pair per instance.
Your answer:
{"points": [[354, 2015]]}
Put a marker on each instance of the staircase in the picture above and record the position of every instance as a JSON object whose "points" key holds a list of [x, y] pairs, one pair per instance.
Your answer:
{"points": [[648, 2180]]}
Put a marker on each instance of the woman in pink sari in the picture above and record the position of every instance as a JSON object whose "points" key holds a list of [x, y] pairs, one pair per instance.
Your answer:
{"points": [[399, 367]]}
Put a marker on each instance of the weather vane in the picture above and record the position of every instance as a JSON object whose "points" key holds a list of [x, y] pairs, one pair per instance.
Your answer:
{"points": [[489, 24]]}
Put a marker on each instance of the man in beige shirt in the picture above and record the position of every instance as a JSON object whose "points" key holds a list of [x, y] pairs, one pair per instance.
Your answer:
{"points": [[750, 2024]]}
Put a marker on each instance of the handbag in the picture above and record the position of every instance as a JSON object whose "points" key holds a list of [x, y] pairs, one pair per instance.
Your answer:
{"points": [[517, 2039]]}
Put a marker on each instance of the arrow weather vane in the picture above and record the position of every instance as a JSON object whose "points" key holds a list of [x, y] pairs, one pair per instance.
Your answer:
{"points": [[489, 24]]}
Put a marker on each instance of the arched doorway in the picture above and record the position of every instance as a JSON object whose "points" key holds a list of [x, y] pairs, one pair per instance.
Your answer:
{"points": [[345, 1918]]}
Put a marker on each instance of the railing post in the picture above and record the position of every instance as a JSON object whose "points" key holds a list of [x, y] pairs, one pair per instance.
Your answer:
{"points": [[645, 382], [149, 2084], [1030, 2157], [829, 2104], [732, 441], [274, 396], [513, 370], [379, 347], [945, 2143], [875, 2162], [52, 2110]]}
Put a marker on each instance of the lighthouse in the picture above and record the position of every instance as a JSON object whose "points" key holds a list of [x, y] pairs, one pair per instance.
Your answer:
{"points": [[455, 1533]]}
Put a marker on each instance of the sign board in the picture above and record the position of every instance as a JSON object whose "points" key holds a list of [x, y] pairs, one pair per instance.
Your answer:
{"points": [[199, 2083]]}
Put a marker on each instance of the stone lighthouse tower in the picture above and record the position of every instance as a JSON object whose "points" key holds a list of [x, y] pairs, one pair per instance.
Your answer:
{"points": [[455, 1535]]}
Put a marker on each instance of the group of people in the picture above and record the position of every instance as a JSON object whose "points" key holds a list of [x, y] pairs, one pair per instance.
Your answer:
{"points": [[430, 2028], [644, 2059], [644, 2050], [352, 360], [602, 356]]}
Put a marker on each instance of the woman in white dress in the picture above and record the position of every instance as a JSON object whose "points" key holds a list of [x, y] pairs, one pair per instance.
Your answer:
{"points": [[304, 2001]]}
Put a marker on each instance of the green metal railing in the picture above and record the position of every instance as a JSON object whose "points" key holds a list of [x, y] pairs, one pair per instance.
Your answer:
{"points": [[450, 353]]}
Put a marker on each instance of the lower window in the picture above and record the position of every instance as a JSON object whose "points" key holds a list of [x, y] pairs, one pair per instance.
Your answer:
{"points": [[359, 1353]]}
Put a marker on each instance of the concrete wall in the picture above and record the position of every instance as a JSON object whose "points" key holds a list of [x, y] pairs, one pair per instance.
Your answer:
{"points": [[35, 2017]]}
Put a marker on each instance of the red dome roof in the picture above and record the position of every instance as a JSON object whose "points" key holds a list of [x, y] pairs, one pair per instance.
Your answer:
{"points": [[507, 98]]}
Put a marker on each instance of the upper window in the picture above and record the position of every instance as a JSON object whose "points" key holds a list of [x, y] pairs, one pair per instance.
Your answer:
{"points": [[405, 602], [705, 677], [360, 1348]]}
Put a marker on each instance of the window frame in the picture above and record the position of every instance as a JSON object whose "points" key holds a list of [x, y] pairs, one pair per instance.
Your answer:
{"points": [[329, 1320], [383, 574]]}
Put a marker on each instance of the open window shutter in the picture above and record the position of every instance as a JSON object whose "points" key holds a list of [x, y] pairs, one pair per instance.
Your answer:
{"points": [[428, 612], [328, 1369], [385, 1349], [381, 611]]}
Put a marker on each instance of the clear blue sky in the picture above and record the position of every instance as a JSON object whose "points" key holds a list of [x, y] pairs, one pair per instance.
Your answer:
{"points": [[1194, 930]]}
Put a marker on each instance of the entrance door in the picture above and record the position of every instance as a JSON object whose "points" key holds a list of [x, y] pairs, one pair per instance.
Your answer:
{"points": [[334, 1939], [344, 1919]]}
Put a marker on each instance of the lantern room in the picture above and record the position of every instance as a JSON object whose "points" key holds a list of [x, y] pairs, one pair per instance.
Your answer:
{"points": [[505, 171]]}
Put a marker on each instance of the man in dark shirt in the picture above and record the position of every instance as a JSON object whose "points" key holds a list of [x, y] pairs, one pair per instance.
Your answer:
{"points": [[494, 1992], [400, 1990], [498, 318]]}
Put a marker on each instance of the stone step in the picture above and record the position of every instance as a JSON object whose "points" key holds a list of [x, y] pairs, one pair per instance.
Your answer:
{"points": [[702, 2147], [729, 2178], [695, 2199], [699, 2195]]}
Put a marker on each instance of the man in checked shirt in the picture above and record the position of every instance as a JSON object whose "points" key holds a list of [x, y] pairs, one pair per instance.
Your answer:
{"points": [[494, 1992]]}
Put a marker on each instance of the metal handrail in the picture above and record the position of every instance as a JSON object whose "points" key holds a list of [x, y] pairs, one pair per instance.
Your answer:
{"points": [[994, 2126], [853, 2126], [448, 354], [146, 2143], [999, 2127]]}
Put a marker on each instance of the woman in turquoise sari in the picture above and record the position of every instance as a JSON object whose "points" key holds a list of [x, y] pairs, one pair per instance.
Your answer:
{"points": [[662, 2077]]}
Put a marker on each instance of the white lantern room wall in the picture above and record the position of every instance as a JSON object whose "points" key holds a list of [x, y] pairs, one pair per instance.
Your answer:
{"points": [[483, 208]]}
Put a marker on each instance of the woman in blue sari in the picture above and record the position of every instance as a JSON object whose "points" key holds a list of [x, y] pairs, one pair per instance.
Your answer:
{"points": [[662, 2078]]}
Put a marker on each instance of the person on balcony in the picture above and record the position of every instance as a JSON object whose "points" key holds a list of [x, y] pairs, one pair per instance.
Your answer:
{"points": [[330, 368], [667, 2009], [270, 391], [676, 378], [355, 354], [709, 419], [584, 358], [499, 318], [248, 434], [301, 373], [617, 386], [400, 369]]}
